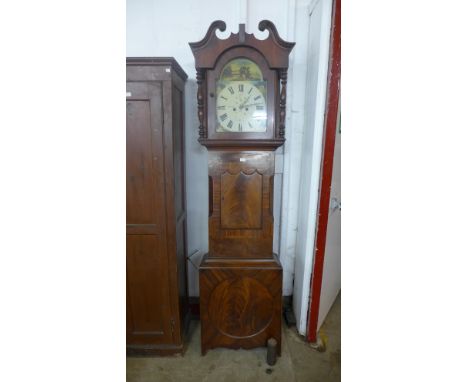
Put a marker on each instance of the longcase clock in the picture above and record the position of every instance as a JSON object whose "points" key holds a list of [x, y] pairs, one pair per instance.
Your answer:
{"points": [[241, 110]]}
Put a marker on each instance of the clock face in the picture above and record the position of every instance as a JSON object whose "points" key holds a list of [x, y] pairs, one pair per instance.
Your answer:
{"points": [[241, 107], [241, 98]]}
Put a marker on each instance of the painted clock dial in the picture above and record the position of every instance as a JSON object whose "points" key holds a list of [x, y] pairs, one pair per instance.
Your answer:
{"points": [[241, 100]]}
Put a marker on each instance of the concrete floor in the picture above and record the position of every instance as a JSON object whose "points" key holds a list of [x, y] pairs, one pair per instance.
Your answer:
{"points": [[299, 362]]}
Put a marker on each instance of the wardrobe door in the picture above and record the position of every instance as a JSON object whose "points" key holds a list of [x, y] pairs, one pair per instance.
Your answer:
{"points": [[148, 300]]}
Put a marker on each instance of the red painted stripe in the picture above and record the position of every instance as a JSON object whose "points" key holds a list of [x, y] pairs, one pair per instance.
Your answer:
{"points": [[331, 114]]}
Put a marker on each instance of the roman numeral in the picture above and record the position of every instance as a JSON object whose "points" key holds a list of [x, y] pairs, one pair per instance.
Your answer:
{"points": [[250, 90], [259, 107], [224, 98], [241, 87], [230, 124], [257, 97], [231, 90], [223, 117], [240, 127]]}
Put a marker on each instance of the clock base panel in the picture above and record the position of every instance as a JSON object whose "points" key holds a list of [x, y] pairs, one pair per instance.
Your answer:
{"points": [[240, 302]]}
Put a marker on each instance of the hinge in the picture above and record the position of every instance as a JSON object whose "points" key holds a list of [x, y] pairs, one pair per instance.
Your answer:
{"points": [[172, 325]]}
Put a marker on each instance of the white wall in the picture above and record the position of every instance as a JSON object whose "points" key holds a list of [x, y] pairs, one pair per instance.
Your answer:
{"points": [[164, 28]]}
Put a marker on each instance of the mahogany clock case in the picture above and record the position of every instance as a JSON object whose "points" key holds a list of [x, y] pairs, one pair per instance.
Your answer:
{"points": [[240, 277]]}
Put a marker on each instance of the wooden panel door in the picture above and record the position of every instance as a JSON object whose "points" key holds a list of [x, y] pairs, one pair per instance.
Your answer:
{"points": [[327, 169], [148, 285]]}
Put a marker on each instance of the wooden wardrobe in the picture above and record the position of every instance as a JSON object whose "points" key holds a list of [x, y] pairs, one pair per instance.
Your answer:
{"points": [[157, 300]]}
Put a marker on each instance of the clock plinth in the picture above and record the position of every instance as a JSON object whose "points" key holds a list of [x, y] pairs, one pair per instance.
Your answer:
{"points": [[240, 302], [241, 109]]}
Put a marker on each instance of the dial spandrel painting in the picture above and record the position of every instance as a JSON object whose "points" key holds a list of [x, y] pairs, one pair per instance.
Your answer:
{"points": [[241, 98]]}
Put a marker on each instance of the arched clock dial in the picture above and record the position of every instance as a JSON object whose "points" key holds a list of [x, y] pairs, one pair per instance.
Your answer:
{"points": [[241, 107]]}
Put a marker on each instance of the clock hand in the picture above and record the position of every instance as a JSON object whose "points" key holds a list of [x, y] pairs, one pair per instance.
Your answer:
{"points": [[243, 104]]}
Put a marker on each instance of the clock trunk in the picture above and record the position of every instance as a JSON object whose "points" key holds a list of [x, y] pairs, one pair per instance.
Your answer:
{"points": [[241, 203]]}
